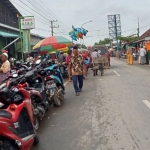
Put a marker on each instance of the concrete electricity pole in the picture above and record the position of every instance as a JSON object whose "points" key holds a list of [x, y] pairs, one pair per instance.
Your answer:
{"points": [[138, 30], [53, 26]]}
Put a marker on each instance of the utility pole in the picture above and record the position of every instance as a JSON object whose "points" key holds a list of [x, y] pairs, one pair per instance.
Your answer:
{"points": [[53, 26], [138, 30], [116, 30]]}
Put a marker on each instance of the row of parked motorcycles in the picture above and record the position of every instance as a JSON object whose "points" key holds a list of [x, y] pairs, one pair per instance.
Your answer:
{"points": [[26, 96]]}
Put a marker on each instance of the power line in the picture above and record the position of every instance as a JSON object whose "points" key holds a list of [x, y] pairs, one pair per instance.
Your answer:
{"points": [[123, 31], [37, 12], [32, 9], [54, 14], [45, 9], [35, 6], [29, 12]]}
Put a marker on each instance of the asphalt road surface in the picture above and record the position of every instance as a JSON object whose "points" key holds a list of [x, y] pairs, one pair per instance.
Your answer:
{"points": [[112, 113]]}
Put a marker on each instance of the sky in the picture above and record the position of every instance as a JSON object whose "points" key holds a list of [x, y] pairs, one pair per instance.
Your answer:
{"points": [[78, 12]]}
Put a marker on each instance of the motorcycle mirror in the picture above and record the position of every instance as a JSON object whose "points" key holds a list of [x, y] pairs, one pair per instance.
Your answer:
{"points": [[38, 62], [42, 72]]}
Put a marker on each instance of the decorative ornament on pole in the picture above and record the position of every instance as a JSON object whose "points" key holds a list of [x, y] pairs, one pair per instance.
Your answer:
{"points": [[77, 33]]}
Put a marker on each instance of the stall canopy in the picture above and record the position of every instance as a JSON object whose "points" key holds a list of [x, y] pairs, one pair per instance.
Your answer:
{"points": [[6, 34]]}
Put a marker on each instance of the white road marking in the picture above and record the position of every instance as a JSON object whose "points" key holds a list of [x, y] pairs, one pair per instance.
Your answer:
{"points": [[146, 103], [117, 73], [100, 79], [65, 83]]}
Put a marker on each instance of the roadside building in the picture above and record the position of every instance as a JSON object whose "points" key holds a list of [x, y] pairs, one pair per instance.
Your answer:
{"points": [[9, 29]]}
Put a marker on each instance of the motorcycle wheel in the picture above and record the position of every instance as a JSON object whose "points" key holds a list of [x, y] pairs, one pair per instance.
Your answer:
{"points": [[63, 94], [36, 122], [10, 145], [36, 139], [57, 101]]}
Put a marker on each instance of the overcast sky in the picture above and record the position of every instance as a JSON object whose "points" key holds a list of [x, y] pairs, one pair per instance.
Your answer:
{"points": [[77, 12]]}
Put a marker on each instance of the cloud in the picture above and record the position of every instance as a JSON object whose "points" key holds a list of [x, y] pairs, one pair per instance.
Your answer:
{"points": [[79, 11]]}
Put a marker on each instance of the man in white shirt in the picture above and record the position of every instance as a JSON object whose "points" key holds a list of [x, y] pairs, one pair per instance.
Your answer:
{"points": [[95, 54], [95, 62], [142, 55]]}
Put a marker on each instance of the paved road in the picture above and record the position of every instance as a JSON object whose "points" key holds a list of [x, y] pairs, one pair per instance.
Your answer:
{"points": [[110, 113]]}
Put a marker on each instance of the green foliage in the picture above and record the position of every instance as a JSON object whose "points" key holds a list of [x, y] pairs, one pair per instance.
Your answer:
{"points": [[103, 42], [83, 46], [129, 39]]}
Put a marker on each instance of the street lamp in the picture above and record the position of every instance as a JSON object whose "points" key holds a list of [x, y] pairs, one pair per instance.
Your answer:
{"points": [[86, 23]]}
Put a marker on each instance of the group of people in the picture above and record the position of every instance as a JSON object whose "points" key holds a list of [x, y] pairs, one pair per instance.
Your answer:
{"points": [[77, 67], [143, 54]]}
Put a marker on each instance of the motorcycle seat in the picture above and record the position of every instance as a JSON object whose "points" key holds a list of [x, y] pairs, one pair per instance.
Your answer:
{"points": [[5, 114], [38, 89]]}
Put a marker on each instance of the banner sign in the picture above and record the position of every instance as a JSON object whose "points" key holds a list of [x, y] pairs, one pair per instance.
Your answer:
{"points": [[26, 41], [27, 23]]}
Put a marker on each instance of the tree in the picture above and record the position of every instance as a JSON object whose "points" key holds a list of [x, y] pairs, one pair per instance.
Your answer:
{"points": [[83, 46], [129, 39], [103, 42]]}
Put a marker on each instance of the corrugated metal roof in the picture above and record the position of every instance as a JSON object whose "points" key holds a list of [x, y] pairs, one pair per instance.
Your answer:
{"points": [[11, 7], [146, 34], [15, 29]]}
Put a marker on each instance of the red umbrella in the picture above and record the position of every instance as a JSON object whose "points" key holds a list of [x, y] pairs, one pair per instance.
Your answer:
{"points": [[54, 42]]}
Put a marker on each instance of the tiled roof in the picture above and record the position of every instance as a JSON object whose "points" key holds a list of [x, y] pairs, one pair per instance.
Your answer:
{"points": [[146, 34]]}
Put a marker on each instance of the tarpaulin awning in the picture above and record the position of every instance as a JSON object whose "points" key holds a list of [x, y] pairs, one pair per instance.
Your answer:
{"points": [[6, 34]]}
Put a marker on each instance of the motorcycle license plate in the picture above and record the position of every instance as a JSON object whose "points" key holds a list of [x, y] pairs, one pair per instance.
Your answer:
{"points": [[51, 85]]}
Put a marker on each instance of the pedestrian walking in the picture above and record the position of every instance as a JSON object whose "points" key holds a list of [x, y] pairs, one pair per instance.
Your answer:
{"points": [[129, 56], [76, 69], [61, 57], [139, 57], [119, 52], [95, 61], [142, 55]]}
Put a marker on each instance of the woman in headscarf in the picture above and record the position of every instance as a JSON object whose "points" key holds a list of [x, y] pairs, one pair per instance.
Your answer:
{"points": [[5, 68], [129, 56]]}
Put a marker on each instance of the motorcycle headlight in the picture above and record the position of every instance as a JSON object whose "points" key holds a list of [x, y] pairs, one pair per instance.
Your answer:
{"points": [[49, 72], [37, 81]]}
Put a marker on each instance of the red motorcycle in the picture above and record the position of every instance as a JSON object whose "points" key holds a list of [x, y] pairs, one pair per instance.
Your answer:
{"points": [[16, 117]]}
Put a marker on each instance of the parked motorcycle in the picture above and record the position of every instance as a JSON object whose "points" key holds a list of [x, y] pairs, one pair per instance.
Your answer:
{"points": [[54, 84], [63, 69], [16, 117], [35, 85], [135, 56]]}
